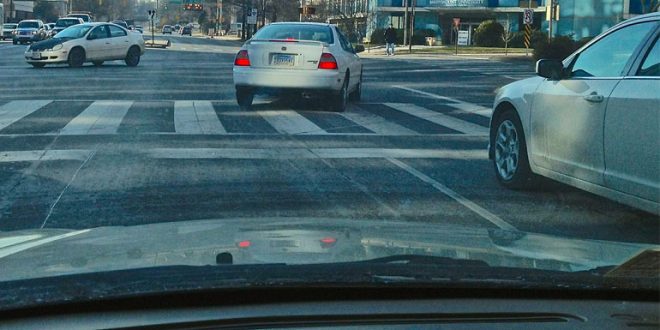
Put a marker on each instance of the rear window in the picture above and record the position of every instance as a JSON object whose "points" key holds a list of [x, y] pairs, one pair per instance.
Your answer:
{"points": [[27, 25], [84, 17], [296, 32], [66, 22]]}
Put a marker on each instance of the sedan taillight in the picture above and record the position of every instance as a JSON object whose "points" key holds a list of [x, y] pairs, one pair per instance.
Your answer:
{"points": [[242, 58], [328, 62]]}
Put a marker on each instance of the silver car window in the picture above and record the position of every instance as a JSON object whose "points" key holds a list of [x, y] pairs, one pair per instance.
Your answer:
{"points": [[609, 56], [651, 64]]}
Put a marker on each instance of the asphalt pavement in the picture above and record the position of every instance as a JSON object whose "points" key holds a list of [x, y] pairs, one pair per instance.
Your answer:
{"points": [[166, 141]]}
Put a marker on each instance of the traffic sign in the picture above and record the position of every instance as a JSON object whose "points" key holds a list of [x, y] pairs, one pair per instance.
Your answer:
{"points": [[252, 16], [457, 21], [463, 37], [528, 16]]}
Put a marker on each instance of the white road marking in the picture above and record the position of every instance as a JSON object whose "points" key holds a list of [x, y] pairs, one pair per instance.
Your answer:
{"points": [[35, 155], [101, 117], [251, 153], [15, 110], [374, 123], [439, 118], [455, 103], [494, 219], [22, 247], [196, 117], [290, 122]]}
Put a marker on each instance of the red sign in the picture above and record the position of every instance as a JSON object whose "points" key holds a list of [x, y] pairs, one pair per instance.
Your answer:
{"points": [[457, 21]]}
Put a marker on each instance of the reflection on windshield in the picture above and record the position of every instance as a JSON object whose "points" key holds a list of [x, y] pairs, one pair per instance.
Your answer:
{"points": [[28, 25], [74, 32]]}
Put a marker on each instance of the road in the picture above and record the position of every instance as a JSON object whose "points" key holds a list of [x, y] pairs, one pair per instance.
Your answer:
{"points": [[165, 141]]}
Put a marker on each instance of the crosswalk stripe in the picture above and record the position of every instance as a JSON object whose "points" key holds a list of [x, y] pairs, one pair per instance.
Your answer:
{"points": [[290, 122], [439, 118], [455, 103], [101, 117], [374, 123], [15, 110], [196, 117]]}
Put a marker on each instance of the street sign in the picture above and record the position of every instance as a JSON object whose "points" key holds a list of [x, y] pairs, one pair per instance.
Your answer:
{"points": [[528, 16], [252, 16], [463, 37], [457, 21]]}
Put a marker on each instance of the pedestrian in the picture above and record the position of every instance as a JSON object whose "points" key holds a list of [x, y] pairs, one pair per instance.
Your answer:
{"points": [[390, 39]]}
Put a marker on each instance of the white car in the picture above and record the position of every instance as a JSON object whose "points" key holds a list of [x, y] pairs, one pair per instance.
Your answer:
{"points": [[89, 42], [311, 58], [591, 121]]}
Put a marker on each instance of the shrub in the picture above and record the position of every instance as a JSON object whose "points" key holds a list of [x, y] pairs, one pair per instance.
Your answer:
{"points": [[419, 36], [378, 36], [558, 48], [489, 34], [518, 39]]}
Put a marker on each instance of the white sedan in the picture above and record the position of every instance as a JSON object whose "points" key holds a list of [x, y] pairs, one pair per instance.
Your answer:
{"points": [[89, 42], [310, 58], [591, 121]]}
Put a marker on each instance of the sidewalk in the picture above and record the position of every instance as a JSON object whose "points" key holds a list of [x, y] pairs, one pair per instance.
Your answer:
{"points": [[446, 52]]}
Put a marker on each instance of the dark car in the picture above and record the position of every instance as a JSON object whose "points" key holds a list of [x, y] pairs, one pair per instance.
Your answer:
{"points": [[30, 30], [8, 30], [186, 30], [121, 23]]}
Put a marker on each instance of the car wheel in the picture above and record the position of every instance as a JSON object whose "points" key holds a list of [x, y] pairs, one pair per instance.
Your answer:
{"points": [[341, 99], [356, 95], [133, 56], [97, 63], [244, 96], [38, 65], [76, 58], [510, 157]]}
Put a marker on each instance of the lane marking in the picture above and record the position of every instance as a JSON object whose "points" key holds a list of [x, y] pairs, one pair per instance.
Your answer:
{"points": [[209, 122], [494, 219], [374, 123], [185, 118], [36, 155], [455, 103], [22, 247], [16, 110], [101, 117], [290, 122], [439, 118]]}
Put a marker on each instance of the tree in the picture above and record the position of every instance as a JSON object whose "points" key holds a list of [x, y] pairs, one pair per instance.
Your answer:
{"points": [[507, 35], [489, 34], [649, 6], [45, 11]]}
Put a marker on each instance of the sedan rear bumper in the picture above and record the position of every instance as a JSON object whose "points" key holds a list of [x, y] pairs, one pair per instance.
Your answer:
{"points": [[288, 79]]}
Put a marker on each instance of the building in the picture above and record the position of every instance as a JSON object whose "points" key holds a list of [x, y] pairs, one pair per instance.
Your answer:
{"points": [[578, 18]]}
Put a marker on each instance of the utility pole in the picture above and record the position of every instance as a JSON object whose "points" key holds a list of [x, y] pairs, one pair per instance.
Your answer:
{"points": [[405, 23], [302, 7], [217, 16], [412, 26]]}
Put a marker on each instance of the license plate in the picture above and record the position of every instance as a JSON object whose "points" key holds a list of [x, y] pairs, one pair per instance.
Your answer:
{"points": [[283, 60], [36, 55]]}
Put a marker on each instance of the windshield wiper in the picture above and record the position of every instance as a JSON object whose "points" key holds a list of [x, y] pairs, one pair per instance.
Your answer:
{"points": [[420, 259]]}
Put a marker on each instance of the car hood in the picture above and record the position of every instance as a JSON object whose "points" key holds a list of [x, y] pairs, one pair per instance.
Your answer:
{"points": [[50, 252], [47, 44]]}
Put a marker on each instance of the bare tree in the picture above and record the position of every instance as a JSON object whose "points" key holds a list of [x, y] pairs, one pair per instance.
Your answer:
{"points": [[649, 6], [507, 35]]}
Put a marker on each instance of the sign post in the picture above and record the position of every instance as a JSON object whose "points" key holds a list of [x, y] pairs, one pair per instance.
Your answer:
{"points": [[457, 22], [528, 19]]}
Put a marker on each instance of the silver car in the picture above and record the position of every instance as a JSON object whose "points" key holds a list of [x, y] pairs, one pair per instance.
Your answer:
{"points": [[591, 121]]}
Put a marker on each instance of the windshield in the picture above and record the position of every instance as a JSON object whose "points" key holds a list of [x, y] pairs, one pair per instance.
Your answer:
{"points": [[66, 22], [74, 32], [466, 143], [296, 31], [9, 26], [28, 25]]}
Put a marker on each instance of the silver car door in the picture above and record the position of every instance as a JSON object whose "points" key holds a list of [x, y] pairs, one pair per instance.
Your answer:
{"points": [[120, 42], [567, 115], [98, 43], [632, 131]]}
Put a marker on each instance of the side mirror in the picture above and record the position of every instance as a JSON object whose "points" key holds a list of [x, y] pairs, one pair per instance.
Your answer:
{"points": [[551, 69], [359, 48]]}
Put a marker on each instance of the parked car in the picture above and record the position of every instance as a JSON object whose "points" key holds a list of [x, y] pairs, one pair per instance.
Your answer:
{"points": [[186, 30], [87, 18], [64, 23], [29, 30], [312, 58], [590, 121], [121, 23], [89, 42], [8, 30], [167, 29]]}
